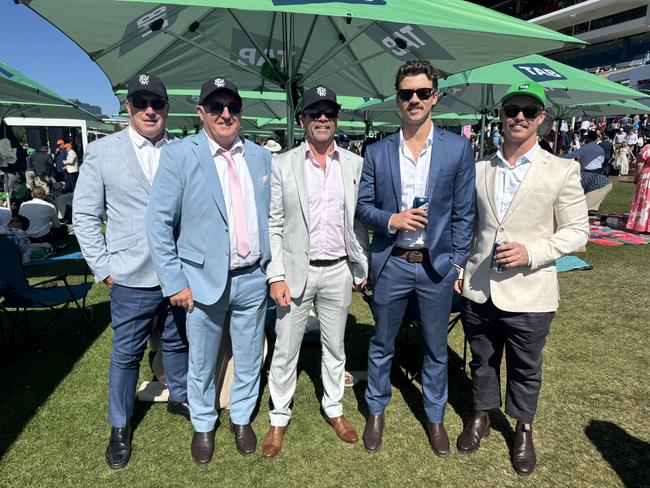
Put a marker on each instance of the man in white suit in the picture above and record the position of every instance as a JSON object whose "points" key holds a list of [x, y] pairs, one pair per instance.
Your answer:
{"points": [[317, 256], [531, 208]]}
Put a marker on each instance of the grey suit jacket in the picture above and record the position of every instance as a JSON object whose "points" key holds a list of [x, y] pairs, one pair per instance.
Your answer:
{"points": [[289, 221], [112, 186]]}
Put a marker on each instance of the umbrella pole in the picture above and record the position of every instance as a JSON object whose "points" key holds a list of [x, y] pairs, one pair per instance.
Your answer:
{"points": [[288, 60], [557, 131], [482, 139]]}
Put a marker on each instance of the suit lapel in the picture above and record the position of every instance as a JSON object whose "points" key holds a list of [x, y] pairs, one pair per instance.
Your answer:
{"points": [[206, 162], [534, 174], [298, 165], [394, 166], [490, 175], [132, 160], [437, 156], [347, 172]]}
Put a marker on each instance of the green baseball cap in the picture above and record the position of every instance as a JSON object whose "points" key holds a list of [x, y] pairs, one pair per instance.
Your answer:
{"points": [[529, 88], [31, 150]]}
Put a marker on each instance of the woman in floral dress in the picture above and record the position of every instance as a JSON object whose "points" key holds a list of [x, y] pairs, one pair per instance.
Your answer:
{"points": [[639, 218]]}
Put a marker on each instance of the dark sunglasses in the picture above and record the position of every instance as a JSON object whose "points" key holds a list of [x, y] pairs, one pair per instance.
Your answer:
{"points": [[422, 93], [317, 113], [142, 103], [216, 108], [529, 112]]}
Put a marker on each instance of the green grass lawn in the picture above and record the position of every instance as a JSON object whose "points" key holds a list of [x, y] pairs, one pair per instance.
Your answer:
{"points": [[591, 430]]}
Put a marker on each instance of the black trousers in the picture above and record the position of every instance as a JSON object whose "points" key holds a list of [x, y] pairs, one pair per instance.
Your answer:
{"points": [[489, 331]]}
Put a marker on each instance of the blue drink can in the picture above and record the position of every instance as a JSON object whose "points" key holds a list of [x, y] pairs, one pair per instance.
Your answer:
{"points": [[421, 202], [494, 265]]}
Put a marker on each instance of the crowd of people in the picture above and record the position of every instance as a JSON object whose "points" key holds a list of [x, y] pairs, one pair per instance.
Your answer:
{"points": [[196, 234]]}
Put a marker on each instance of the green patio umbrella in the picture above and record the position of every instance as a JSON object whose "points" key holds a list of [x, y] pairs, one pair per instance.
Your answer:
{"points": [[352, 46]]}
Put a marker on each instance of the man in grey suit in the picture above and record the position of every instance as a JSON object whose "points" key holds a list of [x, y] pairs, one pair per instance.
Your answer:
{"points": [[208, 232], [317, 253], [115, 183]]}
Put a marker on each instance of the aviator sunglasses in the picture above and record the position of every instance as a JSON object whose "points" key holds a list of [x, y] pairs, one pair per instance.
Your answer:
{"points": [[530, 112], [216, 108], [422, 93], [316, 113], [142, 103]]}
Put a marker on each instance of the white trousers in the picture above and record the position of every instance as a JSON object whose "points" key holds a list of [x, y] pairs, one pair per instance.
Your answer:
{"points": [[329, 288]]}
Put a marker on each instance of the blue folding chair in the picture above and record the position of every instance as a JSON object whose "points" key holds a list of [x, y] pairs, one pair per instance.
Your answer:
{"points": [[19, 295]]}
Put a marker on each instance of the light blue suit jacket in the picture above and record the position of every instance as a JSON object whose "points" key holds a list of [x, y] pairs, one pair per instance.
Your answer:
{"points": [[187, 221], [451, 196], [112, 185]]}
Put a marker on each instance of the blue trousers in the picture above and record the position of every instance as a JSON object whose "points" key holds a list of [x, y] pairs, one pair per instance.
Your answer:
{"points": [[243, 306], [132, 313], [397, 281]]}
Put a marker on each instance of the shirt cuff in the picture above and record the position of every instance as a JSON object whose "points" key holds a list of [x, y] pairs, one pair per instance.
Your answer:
{"points": [[391, 230], [530, 256], [274, 279]]}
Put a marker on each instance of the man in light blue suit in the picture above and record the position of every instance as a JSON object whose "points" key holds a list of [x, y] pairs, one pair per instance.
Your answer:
{"points": [[415, 252], [115, 184], [208, 233]]}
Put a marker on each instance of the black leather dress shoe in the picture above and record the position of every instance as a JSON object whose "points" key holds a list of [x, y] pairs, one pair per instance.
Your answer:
{"points": [[523, 450], [438, 438], [245, 438], [118, 451], [179, 408], [478, 427], [202, 447], [373, 433]]}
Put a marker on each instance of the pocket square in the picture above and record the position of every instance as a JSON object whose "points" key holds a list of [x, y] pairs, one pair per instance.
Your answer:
{"points": [[265, 179]]}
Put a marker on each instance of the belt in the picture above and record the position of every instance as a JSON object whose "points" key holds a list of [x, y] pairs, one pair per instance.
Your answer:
{"points": [[321, 263], [410, 255], [244, 269]]}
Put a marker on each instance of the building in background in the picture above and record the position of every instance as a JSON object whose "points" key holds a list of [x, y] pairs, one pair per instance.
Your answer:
{"points": [[93, 109]]}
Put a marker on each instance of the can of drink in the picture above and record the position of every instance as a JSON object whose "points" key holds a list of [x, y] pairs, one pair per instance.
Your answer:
{"points": [[422, 203], [494, 266]]}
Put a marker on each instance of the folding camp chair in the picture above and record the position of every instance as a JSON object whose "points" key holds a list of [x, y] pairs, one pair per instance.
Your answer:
{"points": [[19, 295]]}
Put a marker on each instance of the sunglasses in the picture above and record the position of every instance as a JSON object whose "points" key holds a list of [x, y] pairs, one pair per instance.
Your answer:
{"points": [[142, 103], [422, 93], [529, 112], [317, 113], [216, 108]]}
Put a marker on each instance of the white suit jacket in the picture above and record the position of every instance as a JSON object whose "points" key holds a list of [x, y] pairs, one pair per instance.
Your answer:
{"points": [[548, 214], [289, 221]]}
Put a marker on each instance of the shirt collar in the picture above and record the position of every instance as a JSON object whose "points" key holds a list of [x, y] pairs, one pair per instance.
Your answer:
{"points": [[140, 141], [525, 158], [335, 154], [215, 148], [427, 144]]}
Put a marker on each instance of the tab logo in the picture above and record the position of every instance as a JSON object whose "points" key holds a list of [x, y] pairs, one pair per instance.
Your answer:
{"points": [[407, 42], [539, 72], [158, 13]]}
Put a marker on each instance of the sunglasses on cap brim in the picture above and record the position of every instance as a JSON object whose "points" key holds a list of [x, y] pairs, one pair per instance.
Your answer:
{"points": [[530, 111], [406, 94], [142, 103]]}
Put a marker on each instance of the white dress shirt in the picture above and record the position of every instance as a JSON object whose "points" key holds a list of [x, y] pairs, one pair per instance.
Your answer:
{"points": [[326, 206], [42, 217], [414, 175], [248, 193], [148, 154]]}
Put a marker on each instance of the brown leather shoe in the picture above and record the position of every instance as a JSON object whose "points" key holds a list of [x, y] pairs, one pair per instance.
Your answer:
{"points": [[523, 450], [202, 447], [272, 443], [438, 438], [373, 432], [245, 438], [344, 429], [478, 427]]}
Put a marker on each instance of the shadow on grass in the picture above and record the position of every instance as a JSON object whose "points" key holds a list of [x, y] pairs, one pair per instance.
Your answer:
{"points": [[34, 365], [626, 454]]}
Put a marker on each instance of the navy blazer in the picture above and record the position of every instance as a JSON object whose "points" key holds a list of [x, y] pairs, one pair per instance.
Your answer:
{"points": [[451, 193]]}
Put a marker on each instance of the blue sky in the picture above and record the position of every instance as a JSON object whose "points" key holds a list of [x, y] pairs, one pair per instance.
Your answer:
{"points": [[41, 52]]}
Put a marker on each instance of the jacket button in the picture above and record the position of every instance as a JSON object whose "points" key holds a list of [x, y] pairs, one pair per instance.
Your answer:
{"points": [[501, 229], [226, 253]]}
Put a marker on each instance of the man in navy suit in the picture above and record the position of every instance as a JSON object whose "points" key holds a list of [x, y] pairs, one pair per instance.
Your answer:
{"points": [[415, 252], [208, 229]]}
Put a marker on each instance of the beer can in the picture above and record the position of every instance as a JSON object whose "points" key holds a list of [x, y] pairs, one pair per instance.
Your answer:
{"points": [[421, 202], [494, 265]]}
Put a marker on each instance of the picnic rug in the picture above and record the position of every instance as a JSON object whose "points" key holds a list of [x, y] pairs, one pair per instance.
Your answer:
{"points": [[606, 236], [571, 263]]}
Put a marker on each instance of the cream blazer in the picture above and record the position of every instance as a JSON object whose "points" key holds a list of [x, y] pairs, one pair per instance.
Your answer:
{"points": [[548, 214]]}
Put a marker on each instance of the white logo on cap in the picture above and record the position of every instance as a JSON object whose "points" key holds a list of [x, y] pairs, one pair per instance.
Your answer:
{"points": [[321, 91], [523, 87], [219, 82], [144, 79]]}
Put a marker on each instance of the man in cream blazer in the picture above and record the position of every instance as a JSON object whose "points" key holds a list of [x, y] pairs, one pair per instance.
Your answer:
{"points": [[316, 258], [532, 204]]}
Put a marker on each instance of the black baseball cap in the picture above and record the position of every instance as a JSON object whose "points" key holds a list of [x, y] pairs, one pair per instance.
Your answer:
{"points": [[145, 82], [218, 84], [319, 93]]}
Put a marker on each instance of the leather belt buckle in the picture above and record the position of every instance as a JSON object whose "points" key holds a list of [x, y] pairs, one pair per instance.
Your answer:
{"points": [[414, 256]]}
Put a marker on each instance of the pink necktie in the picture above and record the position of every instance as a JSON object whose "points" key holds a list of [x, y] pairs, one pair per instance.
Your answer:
{"points": [[237, 207]]}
